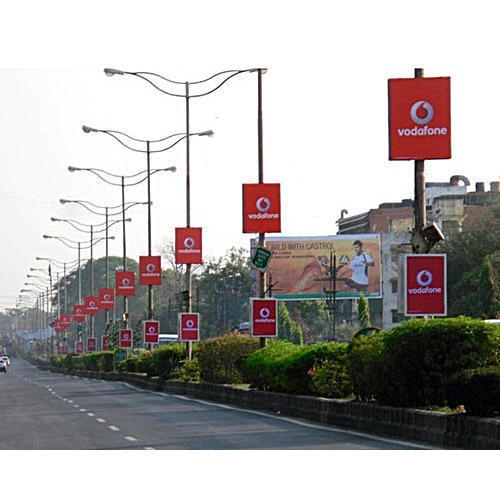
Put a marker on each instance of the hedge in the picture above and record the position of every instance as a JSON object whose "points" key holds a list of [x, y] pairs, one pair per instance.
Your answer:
{"points": [[166, 359]]}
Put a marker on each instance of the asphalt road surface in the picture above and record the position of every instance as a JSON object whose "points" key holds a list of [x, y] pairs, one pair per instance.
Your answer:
{"points": [[51, 411]]}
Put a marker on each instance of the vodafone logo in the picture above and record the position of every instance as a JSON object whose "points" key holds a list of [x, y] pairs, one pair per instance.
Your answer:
{"points": [[107, 296], [265, 314], [150, 268], [190, 323], [125, 282], [126, 336], [152, 329], [91, 303], [189, 242], [424, 278], [263, 204], [415, 112]]}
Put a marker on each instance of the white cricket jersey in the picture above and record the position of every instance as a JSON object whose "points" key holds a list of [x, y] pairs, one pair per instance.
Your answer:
{"points": [[358, 266]]}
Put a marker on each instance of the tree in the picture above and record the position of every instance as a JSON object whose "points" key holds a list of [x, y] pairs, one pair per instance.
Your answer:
{"points": [[363, 312], [288, 329]]}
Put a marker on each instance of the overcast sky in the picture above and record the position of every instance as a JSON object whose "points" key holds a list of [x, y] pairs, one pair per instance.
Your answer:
{"points": [[325, 112]]}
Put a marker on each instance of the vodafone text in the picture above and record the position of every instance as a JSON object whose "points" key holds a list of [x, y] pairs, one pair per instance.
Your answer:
{"points": [[422, 131], [427, 289]]}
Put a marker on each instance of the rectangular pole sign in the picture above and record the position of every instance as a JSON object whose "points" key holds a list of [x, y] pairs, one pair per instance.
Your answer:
{"points": [[79, 347], [105, 343], [91, 305], [91, 344], [261, 208], [126, 339], [151, 330], [419, 118], [78, 313], [150, 270], [106, 298], [65, 321], [263, 317], [125, 282], [188, 245], [64, 350], [425, 285], [189, 327]]}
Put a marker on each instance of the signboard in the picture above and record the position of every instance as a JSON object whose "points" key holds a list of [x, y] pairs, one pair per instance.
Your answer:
{"points": [[107, 298], [105, 343], [150, 270], [91, 344], [65, 321], [264, 317], [91, 305], [79, 347], [261, 258], [189, 327], [261, 208], [64, 350], [425, 284], [126, 339], [300, 266], [78, 313], [419, 118], [125, 282], [151, 330], [188, 245], [56, 324]]}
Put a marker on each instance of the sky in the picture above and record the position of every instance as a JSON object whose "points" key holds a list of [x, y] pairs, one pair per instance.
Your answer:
{"points": [[324, 113]]}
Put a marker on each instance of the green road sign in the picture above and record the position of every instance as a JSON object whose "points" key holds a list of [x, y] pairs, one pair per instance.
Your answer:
{"points": [[261, 258], [79, 328], [120, 355]]}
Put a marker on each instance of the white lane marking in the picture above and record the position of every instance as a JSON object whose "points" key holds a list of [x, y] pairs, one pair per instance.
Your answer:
{"points": [[113, 428], [130, 438], [82, 409], [329, 428], [149, 448], [70, 401], [91, 414], [76, 406], [101, 420]]}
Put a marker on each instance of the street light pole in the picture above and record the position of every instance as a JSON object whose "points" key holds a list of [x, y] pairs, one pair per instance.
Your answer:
{"points": [[419, 203]]}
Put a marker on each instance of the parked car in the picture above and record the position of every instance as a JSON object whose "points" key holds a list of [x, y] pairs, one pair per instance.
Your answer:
{"points": [[6, 359], [3, 366]]}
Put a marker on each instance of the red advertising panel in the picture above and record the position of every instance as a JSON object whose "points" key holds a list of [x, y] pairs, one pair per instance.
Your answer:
{"points": [[425, 285], [189, 327], [261, 208], [419, 118], [107, 298], [79, 347], [91, 305], [264, 317], [78, 313], [150, 270], [151, 329], [125, 283], [91, 344], [65, 320], [126, 339], [188, 245], [105, 343], [56, 324], [64, 350]]}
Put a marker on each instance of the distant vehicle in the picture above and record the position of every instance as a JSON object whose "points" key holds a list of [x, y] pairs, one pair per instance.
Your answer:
{"points": [[495, 322], [6, 360], [241, 328], [3, 366], [167, 338]]}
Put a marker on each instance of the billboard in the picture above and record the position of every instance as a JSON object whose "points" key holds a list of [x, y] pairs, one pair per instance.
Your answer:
{"points": [[263, 317], [188, 245], [151, 330], [300, 266], [261, 208], [106, 298], [78, 313], [126, 339], [189, 327], [79, 347], [125, 282], [91, 305], [91, 344], [419, 118], [150, 270], [425, 284]]}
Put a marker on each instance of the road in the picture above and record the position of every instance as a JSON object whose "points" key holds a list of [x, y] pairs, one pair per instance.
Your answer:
{"points": [[51, 411]]}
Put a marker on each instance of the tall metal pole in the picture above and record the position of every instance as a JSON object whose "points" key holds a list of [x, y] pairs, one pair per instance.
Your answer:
{"points": [[188, 217], [419, 203], [125, 298], [107, 268], [92, 277], [150, 287], [65, 296]]}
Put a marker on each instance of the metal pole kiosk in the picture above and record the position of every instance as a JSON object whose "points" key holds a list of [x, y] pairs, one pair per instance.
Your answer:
{"points": [[419, 205], [189, 347]]}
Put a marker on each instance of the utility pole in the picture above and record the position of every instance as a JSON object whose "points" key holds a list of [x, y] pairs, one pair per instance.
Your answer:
{"points": [[419, 204]]}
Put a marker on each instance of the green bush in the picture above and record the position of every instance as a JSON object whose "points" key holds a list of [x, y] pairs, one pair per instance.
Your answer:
{"points": [[105, 361], [222, 359], [144, 363], [127, 365], [477, 390], [166, 359], [69, 361], [189, 370], [90, 362], [56, 361]]}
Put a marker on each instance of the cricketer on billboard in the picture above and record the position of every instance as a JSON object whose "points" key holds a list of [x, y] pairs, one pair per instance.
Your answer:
{"points": [[300, 266]]}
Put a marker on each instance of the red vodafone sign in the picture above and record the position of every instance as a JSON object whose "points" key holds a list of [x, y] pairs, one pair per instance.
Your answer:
{"points": [[126, 337], [78, 313], [106, 298], [425, 285], [151, 329], [65, 321], [188, 245], [150, 270], [261, 208], [91, 344], [105, 343], [419, 118], [189, 327], [264, 317], [91, 305], [78, 347], [125, 282]]}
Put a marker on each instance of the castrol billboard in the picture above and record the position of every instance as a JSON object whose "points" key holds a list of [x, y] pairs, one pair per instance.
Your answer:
{"points": [[188, 245], [425, 285], [189, 327], [125, 282], [419, 118], [150, 270], [261, 208], [264, 317]]}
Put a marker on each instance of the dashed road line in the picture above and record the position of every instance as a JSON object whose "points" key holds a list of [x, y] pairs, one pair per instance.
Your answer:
{"points": [[130, 438], [101, 420], [113, 428], [91, 414]]}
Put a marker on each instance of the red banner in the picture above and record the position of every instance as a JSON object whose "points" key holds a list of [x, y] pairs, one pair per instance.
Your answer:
{"points": [[188, 245], [126, 339], [151, 330], [189, 327], [64, 350], [125, 283], [56, 324], [78, 313], [264, 317], [105, 343], [91, 344], [150, 270], [65, 321], [79, 347], [107, 298], [419, 118], [425, 285], [261, 208], [91, 305]]}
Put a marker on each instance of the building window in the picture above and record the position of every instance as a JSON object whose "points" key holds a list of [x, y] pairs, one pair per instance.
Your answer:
{"points": [[394, 286]]}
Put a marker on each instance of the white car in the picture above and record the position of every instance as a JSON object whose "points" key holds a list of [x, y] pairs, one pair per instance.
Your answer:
{"points": [[3, 366], [6, 360]]}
